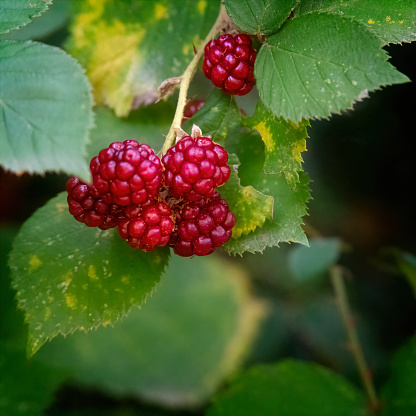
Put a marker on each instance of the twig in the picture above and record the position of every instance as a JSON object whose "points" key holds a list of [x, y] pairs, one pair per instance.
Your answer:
{"points": [[187, 78], [342, 300]]}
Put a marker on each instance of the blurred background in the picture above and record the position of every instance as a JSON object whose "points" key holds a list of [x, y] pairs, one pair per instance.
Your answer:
{"points": [[212, 317]]}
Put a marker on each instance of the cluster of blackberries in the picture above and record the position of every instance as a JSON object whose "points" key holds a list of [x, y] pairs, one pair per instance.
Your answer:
{"points": [[156, 202]]}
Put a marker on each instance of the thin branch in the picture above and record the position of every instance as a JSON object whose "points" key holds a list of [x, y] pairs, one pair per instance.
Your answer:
{"points": [[354, 342]]}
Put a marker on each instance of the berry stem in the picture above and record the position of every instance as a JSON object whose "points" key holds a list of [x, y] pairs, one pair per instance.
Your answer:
{"points": [[187, 78], [337, 280]]}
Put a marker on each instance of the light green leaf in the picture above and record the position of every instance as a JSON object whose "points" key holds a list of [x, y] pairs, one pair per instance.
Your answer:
{"points": [[45, 25], [250, 206], [219, 114], [319, 64], [289, 388], [259, 17], [307, 263], [45, 109], [176, 351], [146, 125], [399, 394], [284, 142], [289, 204], [393, 21], [129, 48], [71, 277], [17, 13], [26, 387]]}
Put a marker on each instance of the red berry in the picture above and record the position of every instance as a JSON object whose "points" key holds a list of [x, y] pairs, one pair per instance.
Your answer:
{"points": [[195, 167], [202, 226], [126, 173], [229, 63], [191, 108], [148, 225], [88, 207]]}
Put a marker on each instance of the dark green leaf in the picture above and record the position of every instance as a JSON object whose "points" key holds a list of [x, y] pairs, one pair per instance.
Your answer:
{"points": [[17, 13], [45, 109], [259, 17], [250, 206], [407, 265], [26, 387], [399, 394], [219, 113], [393, 21], [306, 263], [289, 204], [146, 125], [129, 48], [48, 23], [290, 388], [187, 338], [284, 142], [71, 277], [319, 64]]}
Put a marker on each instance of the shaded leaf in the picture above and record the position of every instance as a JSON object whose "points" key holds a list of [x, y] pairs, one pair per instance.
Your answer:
{"points": [[17, 13], [393, 21], [250, 206], [26, 387], [219, 114], [129, 48], [307, 263], [146, 125], [407, 265], [284, 142], [319, 64], [45, 109], [289, 388], [289, 204], [259, 17], [399, 393], [188, 337], [71, 277]]}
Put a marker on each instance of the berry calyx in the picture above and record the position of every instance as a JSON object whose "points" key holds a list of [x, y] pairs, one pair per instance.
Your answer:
{"points": [[148, 225], [229, 63], [88, 207], [194, 167], [126, 173], [202, 226]]}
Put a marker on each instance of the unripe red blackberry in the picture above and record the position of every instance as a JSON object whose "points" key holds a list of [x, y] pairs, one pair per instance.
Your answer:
{"points": [[126, 173], [229, 63], [148, 225], [192, 108], [194, 167], [87, 206], [202, 226]]}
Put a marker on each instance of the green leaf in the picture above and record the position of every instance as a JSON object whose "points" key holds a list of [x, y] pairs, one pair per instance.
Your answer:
{"points": [[393, 21], [176, 351], [45, 25], [45, 109], [17, 13], [284, 142], [250, 206], [146, 125], [399, 393], [129, 48], [289, 204], [218, 114], [319, 64], [71, 277], [26, 387], [307, 263], [259, 17], [407, 265], [289, 388]]}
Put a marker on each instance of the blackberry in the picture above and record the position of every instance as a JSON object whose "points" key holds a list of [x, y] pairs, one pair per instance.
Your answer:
{"points": [[126, 173]]}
